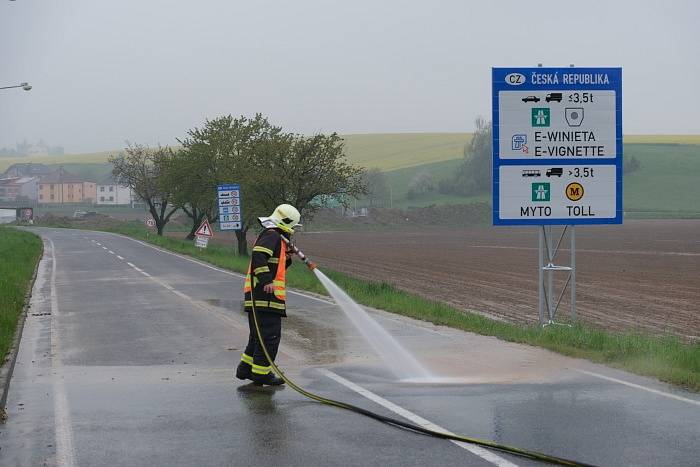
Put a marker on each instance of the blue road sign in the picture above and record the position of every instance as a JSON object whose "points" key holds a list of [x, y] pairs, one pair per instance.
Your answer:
{"points": [[230, 210], [557, 146]]}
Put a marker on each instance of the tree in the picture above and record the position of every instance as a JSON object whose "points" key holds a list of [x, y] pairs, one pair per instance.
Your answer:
{"points": [[191, 179], [378, 190], [421, 184], [222, 151], [272, 167], [474, 175], [630, 164], [141, 169], [478, 154], [296, 169]]}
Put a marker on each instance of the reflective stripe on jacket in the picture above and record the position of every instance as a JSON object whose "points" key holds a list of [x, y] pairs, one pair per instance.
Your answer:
{"points": [[268, 264]]}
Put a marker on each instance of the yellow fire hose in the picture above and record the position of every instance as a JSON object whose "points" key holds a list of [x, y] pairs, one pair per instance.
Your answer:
{"points": [[400, 423]]}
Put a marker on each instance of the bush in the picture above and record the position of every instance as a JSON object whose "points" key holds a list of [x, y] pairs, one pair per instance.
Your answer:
{"points": [[421, 184], [630, 164]]}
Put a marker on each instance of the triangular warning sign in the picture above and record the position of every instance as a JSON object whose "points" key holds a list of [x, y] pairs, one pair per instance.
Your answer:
{"points": [[204, 230]]}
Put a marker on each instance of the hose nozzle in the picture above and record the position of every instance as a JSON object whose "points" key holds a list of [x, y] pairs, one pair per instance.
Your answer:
{"points": [[309, 264]]}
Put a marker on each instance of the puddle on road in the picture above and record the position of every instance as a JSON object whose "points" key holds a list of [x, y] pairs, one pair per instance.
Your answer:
{"points": [[234, 305], [321, 344]]}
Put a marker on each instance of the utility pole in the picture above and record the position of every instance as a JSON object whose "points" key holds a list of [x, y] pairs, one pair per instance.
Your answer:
{"points": [[25, 86]]}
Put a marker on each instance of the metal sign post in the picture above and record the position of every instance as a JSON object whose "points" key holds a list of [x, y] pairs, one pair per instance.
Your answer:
{"points": [[557, 161], [549, 301]]}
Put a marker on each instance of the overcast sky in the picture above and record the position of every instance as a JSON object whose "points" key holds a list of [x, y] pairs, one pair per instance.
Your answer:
{"points": [[145, 71]]}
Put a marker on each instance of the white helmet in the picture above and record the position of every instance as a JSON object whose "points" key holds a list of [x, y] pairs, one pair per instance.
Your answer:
{"points": [[285, 217]]}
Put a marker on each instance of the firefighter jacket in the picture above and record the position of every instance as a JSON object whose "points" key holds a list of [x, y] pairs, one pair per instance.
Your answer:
{"points": [[268, 264]]}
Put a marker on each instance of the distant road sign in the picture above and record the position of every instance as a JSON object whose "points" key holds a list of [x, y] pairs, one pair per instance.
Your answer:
{"points": [[150, 222], [201, 242], [557, 146], [204, 230], [229, 201]]}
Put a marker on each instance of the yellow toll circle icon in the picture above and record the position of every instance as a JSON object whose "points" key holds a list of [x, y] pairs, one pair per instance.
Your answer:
{"points": [[574, 191]]}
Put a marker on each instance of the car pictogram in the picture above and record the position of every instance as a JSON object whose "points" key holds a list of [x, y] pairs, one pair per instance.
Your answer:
{"points": [[531, 99]]}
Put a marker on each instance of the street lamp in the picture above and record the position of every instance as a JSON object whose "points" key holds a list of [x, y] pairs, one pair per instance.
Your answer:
{"points": [[25, 86]]}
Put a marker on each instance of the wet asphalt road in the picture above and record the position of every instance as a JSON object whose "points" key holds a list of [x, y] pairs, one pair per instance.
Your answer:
{"points": [[127, 359]]}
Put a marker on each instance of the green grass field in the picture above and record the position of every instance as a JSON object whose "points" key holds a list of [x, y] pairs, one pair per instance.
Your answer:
{"points": [[666, 184], [90, 158], [399, 181], [19, 254], [383, 151], [662, 139], [668, 180], [389, 151], [400, 150]]}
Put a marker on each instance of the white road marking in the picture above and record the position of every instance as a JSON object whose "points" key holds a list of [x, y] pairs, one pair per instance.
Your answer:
{"points": [[104, 247], [417, 419], [111, 252], [98, 243], [65, 453], [639, 386], [138, 269], [181, 295], [121, 258]]}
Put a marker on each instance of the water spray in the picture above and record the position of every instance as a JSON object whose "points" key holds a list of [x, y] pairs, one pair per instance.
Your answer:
{"points": [[393, 421]]}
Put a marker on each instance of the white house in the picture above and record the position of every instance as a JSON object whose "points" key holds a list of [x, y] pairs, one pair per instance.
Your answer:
{"points": [[38, 150], [109, 192]]}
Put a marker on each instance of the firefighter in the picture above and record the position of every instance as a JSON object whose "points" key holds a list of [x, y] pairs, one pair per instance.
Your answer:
{"points": [[265, 283]]}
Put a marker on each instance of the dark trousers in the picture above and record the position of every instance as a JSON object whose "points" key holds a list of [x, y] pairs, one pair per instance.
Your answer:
{"points": [[271, 329]]}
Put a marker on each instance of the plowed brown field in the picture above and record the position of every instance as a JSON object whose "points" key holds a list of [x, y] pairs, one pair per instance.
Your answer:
{"points": [[641, 276]]}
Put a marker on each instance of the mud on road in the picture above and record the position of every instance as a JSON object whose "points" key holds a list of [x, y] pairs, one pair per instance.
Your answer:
{"points": [[641, 276]]}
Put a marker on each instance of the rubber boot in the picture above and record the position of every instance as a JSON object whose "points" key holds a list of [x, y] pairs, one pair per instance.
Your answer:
{"points": [[244, 371], [269, 379]]}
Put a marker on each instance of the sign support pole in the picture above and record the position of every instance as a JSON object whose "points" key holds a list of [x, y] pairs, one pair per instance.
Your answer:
{"points": [[540, 281], [551, 251], [572, 236], [547, 301]]}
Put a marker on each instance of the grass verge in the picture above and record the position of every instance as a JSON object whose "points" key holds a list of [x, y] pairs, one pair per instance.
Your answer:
{"points": [[19, 254], [666, 358]]}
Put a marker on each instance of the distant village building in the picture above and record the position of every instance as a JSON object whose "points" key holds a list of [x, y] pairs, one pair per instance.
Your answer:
{"points": [[27, 170], [109, 192], [62, 186], [38, 150], [18, 188]]}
